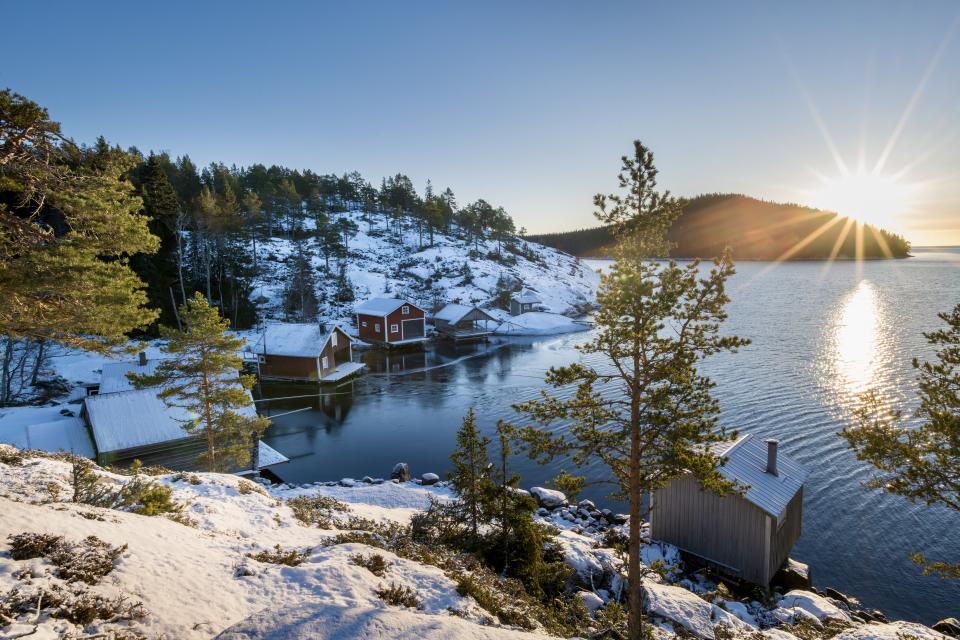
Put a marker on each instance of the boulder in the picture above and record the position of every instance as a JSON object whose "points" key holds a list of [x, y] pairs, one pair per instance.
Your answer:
{"points": [[348, 482], [793, 575], [590, 600], [430, 478], [680, 607], [818, 606], [836, 595], [367, 480], [949, 627], [401, 472], [549, 498]]}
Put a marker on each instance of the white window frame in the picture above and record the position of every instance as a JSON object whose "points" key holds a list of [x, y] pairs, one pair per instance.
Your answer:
{"points": [[405, 309], [394, 328], [376, 327], [333, 338], [324, 362], [363, 324]]}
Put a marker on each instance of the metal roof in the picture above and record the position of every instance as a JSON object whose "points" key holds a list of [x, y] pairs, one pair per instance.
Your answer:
{"points": [[454, 313], [298, 340], [382, 306], [747, 464], [113, 375], [526, 297], [137, 418]]}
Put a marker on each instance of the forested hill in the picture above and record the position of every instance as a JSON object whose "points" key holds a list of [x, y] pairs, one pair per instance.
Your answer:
{"points": [[755, 229]]}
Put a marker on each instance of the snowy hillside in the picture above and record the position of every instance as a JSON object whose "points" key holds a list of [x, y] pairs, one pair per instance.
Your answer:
{"points": [[244, 561], [451, 269]]}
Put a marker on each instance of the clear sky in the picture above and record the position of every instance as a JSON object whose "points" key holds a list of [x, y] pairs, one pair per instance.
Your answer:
{"points": [[526, 104]]}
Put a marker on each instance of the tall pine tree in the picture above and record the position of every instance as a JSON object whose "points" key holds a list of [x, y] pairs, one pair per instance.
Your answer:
{"points": [[643, 410], [203, 377]]}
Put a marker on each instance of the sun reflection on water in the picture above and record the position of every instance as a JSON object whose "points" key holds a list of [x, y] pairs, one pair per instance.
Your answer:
{"points": [[858, 346]]}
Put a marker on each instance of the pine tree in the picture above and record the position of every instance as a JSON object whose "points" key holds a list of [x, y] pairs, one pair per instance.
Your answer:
{"points": [[646, 413], [68, 222], [345, 294], [202, 376], [470, 477], [919, 462]]}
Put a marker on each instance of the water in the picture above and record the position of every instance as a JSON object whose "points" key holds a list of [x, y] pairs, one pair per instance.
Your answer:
{"points": [[820, 337]]}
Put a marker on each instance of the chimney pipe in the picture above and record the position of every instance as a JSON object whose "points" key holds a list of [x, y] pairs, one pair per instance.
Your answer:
{"points": [[772, 456], [143, 358]]}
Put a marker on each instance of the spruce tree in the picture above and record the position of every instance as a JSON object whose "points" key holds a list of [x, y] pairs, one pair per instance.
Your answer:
{"points": [[202, 376], [643, 410], [470, 477], [920, 462]]}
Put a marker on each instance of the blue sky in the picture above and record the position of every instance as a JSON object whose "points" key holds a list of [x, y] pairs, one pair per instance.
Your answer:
{"points": [[527, 104]]}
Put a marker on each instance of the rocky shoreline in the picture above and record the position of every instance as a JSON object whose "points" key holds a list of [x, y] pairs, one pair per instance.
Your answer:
{"points": [[797, 599]]}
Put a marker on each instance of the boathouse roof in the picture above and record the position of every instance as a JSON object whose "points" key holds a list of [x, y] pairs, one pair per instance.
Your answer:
{"points": [[382, 306], [747, 464], [454, 313], [526, 297], [297, 340], [113, 375]]}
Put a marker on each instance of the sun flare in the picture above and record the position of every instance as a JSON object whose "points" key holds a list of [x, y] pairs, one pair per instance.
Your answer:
{"points": [[872, 198]]}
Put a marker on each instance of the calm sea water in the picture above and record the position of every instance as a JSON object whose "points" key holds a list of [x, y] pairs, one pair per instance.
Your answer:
{"points": [[821, 336]]}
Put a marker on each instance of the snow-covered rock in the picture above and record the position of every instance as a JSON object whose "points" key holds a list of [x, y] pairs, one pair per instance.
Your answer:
{"points": [[693, 613], [818, 606], [549, 498], [890, 631], [430, 478], [741, 611], [590, 600]]}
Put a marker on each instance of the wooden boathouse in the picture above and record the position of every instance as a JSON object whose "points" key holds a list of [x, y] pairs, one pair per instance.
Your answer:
{"points": [[747, 536], [391, 322], [461, 323], [130, 424], [305, 353]]}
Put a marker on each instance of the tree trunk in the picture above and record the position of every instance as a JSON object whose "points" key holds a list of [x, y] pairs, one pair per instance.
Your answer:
{"points": [[634, 576], [6, 374], [38, 360], [183, 291], [208, 416]]}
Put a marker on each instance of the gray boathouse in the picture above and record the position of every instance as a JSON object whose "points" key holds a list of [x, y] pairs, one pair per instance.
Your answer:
{"points": [[747, 536]]}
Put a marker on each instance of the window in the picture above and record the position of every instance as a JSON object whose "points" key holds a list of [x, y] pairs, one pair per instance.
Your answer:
{"points": [[394, 329], [376, 327], [405, 310], [363, 324], [324, 363], [333, 339]]}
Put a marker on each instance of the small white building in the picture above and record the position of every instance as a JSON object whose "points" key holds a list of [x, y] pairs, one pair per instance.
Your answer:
{"points": [[524, 302]]}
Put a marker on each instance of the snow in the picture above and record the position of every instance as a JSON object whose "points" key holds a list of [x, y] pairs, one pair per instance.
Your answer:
{"points": [[548, 497], [326, 622], [537, 323], [818, 606], [198, 581], [64, 433]]}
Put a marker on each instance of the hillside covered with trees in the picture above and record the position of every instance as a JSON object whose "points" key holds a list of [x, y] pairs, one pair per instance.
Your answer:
{"points": [[754, 229]]}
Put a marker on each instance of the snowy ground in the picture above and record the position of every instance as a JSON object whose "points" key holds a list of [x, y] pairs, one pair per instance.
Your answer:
{"points": [[197, 581]]}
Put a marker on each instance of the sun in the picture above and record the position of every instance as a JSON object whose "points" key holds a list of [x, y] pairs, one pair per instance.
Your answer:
{"points": [[872, 198]]}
